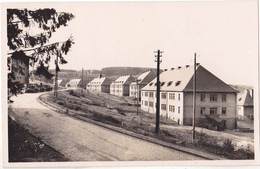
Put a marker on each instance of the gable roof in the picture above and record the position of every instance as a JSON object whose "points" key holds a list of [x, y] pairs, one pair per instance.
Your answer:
{"points": [[181, 79], [244, 99], [145, 77], [124, 80], [74, 81], [101, 81]]}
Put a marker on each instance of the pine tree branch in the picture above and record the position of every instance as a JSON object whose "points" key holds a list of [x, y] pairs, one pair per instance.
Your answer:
{"points": [[26, 50]]}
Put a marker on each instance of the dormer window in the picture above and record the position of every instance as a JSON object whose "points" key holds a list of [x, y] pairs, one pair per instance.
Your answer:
{"points": [[177, 83], [169, 83], [151, 84], [162, 83]]}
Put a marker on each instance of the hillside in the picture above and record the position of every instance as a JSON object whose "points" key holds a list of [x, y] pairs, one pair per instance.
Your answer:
{"points": [[120, 71]]}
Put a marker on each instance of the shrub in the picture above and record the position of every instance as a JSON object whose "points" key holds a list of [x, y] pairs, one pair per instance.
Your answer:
{"points": [[228, 146]]}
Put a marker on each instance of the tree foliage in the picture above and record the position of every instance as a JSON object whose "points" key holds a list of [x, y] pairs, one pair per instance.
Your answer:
{"points": [[31, 30]]}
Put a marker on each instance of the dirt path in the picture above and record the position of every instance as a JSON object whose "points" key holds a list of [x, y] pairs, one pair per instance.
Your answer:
{"points": [[81, 141]]}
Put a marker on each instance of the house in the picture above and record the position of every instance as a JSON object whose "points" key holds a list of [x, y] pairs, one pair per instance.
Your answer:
{"points": [[73, 83], [100, 84], [143, 79], [215, 100], [245, 104], [120, 86], [20, 67]]}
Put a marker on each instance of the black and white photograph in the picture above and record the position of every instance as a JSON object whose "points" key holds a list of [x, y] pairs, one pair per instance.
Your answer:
{"points": [[130, 83]]}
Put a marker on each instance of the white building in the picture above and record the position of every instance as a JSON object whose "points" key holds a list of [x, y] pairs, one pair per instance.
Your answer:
{"points": [[73, 83], [143, 79], [100, 84], [214, 99], [120, 86]]}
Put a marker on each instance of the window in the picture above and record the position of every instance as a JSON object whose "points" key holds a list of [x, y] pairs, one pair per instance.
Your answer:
{"points": [[162, 83], [163, 106], [150, 94], [150, 104], [202, 110], [179, 96], [146, 103], [146, 94], [155, 84], [163, 95], [172, 96], [213, 97], [213, 110], [224, 110], [142, 102], [171, 108], [224, 97], [202, 97], [177, 83], [169, 83], [179, 110]]}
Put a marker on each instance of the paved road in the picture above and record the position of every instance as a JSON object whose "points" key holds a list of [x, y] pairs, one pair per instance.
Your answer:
{"points": [[82, 141]]}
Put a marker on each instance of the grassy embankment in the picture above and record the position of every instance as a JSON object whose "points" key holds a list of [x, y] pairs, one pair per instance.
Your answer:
{"points": [[122, 112]]}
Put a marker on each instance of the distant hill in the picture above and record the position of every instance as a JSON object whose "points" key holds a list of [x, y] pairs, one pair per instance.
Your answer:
{"points": [[121, 71]]}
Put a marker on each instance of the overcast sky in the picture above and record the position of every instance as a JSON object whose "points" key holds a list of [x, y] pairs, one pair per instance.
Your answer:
{"points": [[223, 34]]}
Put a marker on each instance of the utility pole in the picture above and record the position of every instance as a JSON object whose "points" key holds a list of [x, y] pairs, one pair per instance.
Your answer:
{"points": [[194, 99], [137, 95], [158, 90], [56, 78], [82, 81]]}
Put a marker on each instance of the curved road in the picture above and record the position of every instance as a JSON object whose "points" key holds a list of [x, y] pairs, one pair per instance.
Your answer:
{"points": [[82, 141]]}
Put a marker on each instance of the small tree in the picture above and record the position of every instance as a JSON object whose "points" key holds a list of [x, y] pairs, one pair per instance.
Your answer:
{"points": [[30, 31]]}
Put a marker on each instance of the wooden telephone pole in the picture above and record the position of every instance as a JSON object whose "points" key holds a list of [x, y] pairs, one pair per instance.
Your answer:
{"points": [[194, 100], [82, 81], [158, 90]]}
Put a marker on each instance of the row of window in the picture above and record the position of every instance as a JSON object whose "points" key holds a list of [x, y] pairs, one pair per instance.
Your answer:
{"points": [[213, 97], [213, 110]]}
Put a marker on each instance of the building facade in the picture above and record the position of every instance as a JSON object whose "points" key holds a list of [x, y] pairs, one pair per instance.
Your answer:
{"points": [[100, 84], [20, 67], [142, 80], [73, 83], [120, 86], [245, 104], [215, 100]]}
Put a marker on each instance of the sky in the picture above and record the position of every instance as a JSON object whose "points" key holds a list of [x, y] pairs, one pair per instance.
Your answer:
{"points": [[223, 34]]}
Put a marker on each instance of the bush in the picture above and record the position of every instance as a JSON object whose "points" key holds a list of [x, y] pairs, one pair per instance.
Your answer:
{"points": [[228, 146], [60, 103], [29, 91]]}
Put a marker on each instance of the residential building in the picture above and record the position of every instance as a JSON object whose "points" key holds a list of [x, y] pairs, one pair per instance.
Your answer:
{"points": [[214, 99], [120, 86], [20, 67], [73, 83], [100, 84], [245, 104], [143, 79]]}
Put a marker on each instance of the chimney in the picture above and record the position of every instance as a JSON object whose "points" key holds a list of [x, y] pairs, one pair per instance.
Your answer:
{"points": [[187, 66], [251, 93], [179, 67]]}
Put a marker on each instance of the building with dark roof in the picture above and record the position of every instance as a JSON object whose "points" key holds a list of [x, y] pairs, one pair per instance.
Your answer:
{"points": [[143, 79], [245, 104], [120, 86], [215, 99]]}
